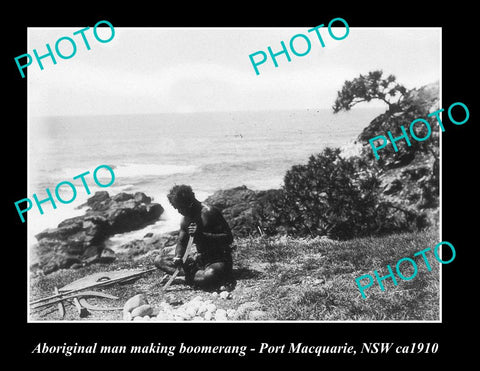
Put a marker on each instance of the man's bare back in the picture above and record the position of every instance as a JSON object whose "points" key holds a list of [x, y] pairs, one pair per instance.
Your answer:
{"points": [[211, 267]]}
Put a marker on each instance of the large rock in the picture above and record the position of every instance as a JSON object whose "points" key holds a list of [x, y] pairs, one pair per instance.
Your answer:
{"points": [[409, 177], [164, 242], [237, 206], [80, 240]]}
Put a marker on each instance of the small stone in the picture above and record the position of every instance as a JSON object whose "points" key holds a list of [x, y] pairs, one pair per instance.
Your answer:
{"points": [[198, 318], [191, 311], [221, 315], [181, 313], [135, 302], [146, 318], [138, 318], [230, 313], [224, 295], [208, 316], [211, 307], [214, 294], [194, 305], [127, 316], [142, 310], [201, 309]]}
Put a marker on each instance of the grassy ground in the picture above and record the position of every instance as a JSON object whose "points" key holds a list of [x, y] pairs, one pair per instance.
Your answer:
{"points": [[315, 279], [289, 279]]}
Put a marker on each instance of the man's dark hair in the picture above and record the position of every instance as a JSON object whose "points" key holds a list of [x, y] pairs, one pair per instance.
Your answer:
{"points": [[181, 194]]}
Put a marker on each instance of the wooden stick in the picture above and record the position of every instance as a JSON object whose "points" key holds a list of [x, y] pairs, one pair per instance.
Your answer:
{"points": [[184, 258], [71, 295], [98, 284]]}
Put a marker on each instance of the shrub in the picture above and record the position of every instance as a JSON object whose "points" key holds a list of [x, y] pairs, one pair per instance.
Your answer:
{"points": [[333, 196]]}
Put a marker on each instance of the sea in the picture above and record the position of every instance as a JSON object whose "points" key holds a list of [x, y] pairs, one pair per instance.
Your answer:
{"points": [[150, 153]]}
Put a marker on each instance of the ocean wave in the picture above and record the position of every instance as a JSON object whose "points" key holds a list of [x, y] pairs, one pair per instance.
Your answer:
{"points": [[124, 188], [232, 166], [133, 170], [129, 170]]}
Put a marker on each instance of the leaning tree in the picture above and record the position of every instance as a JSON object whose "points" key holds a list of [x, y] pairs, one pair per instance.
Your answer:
{"points": [[369, 87]]}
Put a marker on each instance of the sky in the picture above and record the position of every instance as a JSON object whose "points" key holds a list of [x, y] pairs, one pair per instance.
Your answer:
{"points": [[157, 70]]}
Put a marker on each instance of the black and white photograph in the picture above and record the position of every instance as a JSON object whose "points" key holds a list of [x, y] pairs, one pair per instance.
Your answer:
{"points": [[239, 183], [230, 174]]}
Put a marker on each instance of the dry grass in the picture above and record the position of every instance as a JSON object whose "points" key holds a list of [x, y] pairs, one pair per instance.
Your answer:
{"points": [[315, 279], [291, 279]]}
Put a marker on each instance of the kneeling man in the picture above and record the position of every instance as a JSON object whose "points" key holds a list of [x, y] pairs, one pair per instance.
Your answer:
{"points": [[211, 267]]}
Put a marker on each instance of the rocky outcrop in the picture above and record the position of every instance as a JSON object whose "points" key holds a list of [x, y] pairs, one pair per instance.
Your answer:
{"points": [[410, 177], [238, 206], [80, 240], [418, 103], [151, 242]]}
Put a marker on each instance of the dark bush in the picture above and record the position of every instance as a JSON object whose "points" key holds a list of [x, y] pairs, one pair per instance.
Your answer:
{"points": [[333, 196]]}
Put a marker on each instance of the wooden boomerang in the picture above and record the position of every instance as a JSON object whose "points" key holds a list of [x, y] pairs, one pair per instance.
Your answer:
{"points": [[71, 296], [187, 252]]}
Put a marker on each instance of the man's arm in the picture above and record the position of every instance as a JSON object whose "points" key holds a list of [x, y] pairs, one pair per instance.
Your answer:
{"points": [[182, 241]]}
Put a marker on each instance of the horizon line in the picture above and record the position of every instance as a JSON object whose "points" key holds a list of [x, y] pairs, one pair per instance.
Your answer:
{"points": [[201, 112]]}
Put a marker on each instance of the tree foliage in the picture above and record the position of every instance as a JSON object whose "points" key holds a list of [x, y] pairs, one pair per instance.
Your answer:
{"points": [[330, 195], [369, 87]]}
